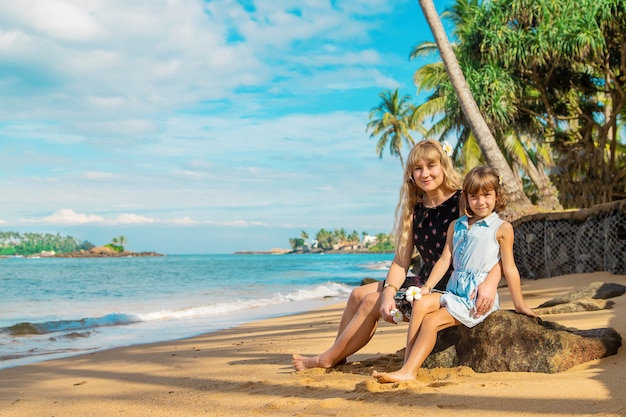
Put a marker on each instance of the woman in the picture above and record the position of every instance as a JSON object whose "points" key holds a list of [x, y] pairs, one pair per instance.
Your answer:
{"points": [[428, 203]]}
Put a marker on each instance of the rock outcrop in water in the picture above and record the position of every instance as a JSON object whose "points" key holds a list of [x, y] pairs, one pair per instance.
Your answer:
{"points": [[104, 252]]}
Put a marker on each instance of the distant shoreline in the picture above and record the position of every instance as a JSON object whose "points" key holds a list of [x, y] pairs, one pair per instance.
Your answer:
{"points": [[278, 251], [90, 254]]}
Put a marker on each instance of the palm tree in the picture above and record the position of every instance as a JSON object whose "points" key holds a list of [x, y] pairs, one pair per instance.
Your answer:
{"points": [[390, 121], [511, 187], [325, 239]]}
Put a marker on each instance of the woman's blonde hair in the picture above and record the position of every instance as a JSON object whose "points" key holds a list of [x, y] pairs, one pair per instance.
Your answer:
{"points": [[410, 194], [481, 179]]}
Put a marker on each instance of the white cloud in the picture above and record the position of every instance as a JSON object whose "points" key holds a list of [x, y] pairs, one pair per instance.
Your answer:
{"points": [[68, 216], [183, 221], [130, 218], [242, 223]]}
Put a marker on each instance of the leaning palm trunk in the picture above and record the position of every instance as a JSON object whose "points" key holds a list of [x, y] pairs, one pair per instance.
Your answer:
{"points": [[548, 194], [518, 202]]}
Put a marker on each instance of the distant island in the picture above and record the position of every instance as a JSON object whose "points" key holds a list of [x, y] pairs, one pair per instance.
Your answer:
{"points": [[333, 241], [99, 252], [47, 245]]}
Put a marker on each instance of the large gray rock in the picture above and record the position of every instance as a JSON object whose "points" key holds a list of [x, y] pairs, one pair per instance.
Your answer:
{"points": [[507, 341]]}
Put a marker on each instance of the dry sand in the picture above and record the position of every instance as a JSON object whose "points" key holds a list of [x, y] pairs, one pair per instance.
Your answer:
{"points": [[246, 371]]}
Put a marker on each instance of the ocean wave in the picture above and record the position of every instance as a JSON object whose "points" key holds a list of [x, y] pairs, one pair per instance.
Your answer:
{"points": [[328, 290], [27, 328], [378, 266], [73, 327]]}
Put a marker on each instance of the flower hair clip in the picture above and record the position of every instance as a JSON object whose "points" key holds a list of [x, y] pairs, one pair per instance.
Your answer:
{"points": [[447, 148]]}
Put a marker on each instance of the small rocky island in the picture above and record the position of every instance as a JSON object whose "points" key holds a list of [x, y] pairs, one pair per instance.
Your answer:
{"points": [[99, 252]]}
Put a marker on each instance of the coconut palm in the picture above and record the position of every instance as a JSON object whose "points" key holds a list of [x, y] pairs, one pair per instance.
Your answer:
{"points": [[390, 122]]}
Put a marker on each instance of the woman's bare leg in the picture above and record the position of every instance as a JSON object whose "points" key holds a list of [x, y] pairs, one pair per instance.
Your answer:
{"points": [[356, 333], [423, 345], [354, 302]]}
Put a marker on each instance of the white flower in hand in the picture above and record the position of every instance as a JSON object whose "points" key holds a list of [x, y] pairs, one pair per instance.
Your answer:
{"points": [[413, 293], [396, 315]]}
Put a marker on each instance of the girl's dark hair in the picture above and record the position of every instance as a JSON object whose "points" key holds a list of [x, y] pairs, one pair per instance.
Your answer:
{"points": [[481, 179]]}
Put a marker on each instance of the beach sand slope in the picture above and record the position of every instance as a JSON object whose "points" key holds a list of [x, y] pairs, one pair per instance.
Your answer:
{"points": [[246, 371]]}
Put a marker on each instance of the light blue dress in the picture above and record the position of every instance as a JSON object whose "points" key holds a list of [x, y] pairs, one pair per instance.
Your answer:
{"points": [[475, 251]]}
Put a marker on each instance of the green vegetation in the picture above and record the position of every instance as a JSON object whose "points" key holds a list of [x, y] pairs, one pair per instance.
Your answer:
{"points": [[549, 79], [339, 239], [384, 243], [117, 244], [24, 244]]}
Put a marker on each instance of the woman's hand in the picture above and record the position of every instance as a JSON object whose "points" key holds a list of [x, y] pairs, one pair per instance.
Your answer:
{"points": [[387, 304]]}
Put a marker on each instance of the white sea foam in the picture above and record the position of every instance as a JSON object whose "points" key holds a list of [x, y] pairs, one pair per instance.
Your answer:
{"points": [[330, 290]]}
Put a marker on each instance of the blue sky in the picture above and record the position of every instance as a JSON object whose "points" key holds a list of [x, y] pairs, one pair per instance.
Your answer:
{"points": [[195, 126]]}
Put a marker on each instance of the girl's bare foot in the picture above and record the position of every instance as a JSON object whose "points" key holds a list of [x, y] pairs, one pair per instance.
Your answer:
{"points": [[386, 378]]}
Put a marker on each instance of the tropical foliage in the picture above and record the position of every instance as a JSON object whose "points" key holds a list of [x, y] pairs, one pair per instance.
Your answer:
{"points": [[339, 238], [564, 67], [384, 243], [296, 243], [549, 79], [117, 244], [24, 244]]}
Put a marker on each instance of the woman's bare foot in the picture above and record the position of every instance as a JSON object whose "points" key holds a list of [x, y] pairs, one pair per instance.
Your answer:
{"points": [[386, 378], [303, 362]]}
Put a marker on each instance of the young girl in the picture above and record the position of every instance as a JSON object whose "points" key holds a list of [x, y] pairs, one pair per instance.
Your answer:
{"points": [[475, 243]]}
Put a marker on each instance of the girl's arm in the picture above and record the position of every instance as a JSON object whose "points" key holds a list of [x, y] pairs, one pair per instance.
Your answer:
{"points": [[443, 263], [505, 236], [486, 292], [395, 277]]}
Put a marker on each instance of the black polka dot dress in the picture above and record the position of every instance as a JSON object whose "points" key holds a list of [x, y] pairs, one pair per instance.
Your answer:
{"points": [[430, 229]]}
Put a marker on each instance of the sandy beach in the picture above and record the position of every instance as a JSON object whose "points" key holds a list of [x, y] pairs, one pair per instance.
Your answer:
{"points": [[246, 371]]}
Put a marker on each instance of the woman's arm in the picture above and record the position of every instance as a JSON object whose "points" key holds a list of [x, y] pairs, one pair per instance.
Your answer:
{"points": [[395, 277], [505, 238]]}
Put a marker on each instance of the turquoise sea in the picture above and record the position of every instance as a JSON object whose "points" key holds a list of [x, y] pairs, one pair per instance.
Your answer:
{"points": [[55, 307]]}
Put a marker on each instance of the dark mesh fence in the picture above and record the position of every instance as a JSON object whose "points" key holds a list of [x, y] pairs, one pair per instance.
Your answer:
{"points": [[571, 242]]}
